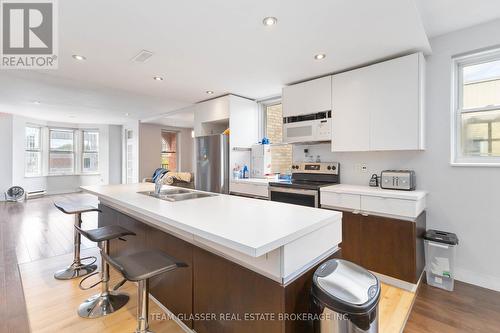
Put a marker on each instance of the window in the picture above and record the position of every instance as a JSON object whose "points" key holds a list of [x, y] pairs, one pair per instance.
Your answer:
{"points": [[90, 151], [476, 111], [33, 152], [169, 150], [61, 152], [281, 154]]}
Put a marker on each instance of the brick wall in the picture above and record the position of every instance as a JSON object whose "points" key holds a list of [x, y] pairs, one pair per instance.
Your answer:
{"points": [[282, 154]]}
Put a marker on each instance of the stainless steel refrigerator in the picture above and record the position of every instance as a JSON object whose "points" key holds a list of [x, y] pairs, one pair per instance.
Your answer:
{"points": [[212, 163]]}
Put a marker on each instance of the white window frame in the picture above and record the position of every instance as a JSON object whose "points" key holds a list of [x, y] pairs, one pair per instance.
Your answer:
{"points": [[458, 63], [83, 151], [39, 150], [50, 151]]}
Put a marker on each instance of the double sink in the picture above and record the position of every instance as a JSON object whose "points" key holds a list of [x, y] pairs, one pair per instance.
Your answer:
{"points": [[177, 194]]}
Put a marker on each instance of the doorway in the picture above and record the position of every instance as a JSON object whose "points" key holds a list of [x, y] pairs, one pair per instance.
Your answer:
{"points": [[169, 150]]}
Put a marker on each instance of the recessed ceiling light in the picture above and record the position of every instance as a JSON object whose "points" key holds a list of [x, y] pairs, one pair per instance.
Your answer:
{"points": [[36, 102], [79, 57], [270, 20], [210, 92], [320, 56], [157, 78], [127, 114]]}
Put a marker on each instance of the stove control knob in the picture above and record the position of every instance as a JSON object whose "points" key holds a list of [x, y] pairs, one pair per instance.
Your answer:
{"points": [[329, 168], [334, 167]]}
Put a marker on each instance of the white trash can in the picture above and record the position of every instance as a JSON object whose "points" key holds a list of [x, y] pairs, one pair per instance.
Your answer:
{"points": [[440, 258]]}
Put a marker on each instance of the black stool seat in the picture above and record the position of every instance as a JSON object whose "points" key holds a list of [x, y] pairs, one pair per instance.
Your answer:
{"points": [[74, 207], [105, 233], [143, 265]]}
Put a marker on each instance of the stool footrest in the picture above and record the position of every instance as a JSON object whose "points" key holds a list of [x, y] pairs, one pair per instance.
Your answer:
{"points": [[80, 285], [94, 258], [119, 284]]}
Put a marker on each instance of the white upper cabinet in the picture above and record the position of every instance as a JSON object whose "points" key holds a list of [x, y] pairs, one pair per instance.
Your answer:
{"points": [[212, 116], [243, 122], [307, 97], [380, 107], [350, 114]]}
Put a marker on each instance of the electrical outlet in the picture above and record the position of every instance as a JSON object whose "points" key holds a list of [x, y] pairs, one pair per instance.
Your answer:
{"points": [[360, 167]]}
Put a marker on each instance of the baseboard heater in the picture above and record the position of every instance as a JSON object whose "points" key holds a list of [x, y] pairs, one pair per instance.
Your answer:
{"points": [[35, 194]]}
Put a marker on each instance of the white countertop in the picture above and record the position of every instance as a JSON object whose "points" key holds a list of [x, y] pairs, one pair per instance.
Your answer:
{"points": [[375, 191], [249, 226]]}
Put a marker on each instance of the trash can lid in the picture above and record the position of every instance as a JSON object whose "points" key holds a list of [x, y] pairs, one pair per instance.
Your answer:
{"points": [[441, 237], [345, 287]]}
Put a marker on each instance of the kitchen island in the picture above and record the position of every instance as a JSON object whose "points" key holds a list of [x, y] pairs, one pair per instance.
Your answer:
{"points": [[250, 261]]}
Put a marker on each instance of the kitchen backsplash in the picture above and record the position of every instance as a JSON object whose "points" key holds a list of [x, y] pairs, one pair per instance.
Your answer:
{"points": [[357, 167]]}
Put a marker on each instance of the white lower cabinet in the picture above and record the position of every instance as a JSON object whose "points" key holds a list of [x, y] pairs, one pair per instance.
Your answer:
{"points": [[365, 200], [344, 200], [248, 189]]}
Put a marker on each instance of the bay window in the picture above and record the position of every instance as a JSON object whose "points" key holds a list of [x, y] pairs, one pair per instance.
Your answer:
{"points": [[90, 151], [61, 151], [33, 152]]}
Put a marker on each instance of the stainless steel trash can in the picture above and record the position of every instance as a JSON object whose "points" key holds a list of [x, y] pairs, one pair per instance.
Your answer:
{"points": [[345, 298]]}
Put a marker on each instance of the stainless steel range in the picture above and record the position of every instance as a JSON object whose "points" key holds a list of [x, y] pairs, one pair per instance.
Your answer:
{"points": [[307, 179]]}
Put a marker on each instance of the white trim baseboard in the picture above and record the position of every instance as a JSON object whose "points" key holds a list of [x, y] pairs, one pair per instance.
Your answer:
{"points": [[477, 279]]}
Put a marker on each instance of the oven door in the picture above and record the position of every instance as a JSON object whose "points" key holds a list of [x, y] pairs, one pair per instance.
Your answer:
{"points": [[294, 196]]}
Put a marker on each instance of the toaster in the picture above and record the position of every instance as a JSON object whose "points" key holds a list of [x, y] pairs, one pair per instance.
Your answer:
{"points": [[398, 180]]}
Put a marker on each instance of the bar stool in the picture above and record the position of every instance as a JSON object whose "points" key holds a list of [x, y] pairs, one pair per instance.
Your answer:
{"points": [[106, 302], [140, 267], [77, 268]]}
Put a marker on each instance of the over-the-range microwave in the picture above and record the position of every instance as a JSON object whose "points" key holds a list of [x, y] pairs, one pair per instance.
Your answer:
{"points": [[308, 128]]}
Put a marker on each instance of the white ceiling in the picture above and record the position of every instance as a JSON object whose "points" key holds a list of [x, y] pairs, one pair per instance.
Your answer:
{"points": [[179, 118], [65, 100], [218, 45], [444, 16]]}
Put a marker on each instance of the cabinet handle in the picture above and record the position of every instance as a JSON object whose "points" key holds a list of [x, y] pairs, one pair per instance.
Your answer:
{"points": [[364, 214], [355, 212]]}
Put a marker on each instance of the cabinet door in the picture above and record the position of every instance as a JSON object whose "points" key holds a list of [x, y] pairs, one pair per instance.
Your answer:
{"points": [[396, 115], [133, 243], [243, 122], [351, 102], [388, 247], [351, 237], [174, 289], [210, 114], [307, 97]]}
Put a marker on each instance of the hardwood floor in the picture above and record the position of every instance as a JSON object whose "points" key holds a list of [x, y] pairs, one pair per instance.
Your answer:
{"points": [[52, 304], [32, 231], [468, 309]]}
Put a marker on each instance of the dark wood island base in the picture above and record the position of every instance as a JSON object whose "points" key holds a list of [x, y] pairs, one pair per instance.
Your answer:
{"points": [[214, 294]]}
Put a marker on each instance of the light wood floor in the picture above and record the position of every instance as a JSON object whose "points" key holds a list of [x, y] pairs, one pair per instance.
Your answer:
{"points": [[52, 304]]}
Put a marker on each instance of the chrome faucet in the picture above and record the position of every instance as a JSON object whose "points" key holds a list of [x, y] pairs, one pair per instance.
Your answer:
{"points": [[158, 184]]}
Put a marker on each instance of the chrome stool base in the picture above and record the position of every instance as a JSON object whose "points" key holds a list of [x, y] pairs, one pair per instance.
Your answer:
{"points": [[74, 271], [101, 305]]}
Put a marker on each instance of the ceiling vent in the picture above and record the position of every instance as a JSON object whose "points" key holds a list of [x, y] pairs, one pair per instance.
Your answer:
{"points": [[142, 56]]}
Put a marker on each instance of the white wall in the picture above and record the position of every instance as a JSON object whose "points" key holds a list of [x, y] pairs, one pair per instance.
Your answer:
{"points": [[150, 148], [464, 200], [5, 153], [115, 154], [70, 183]]}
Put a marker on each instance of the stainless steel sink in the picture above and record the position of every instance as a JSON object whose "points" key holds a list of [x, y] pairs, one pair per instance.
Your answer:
{"points": [[177, 194]]}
